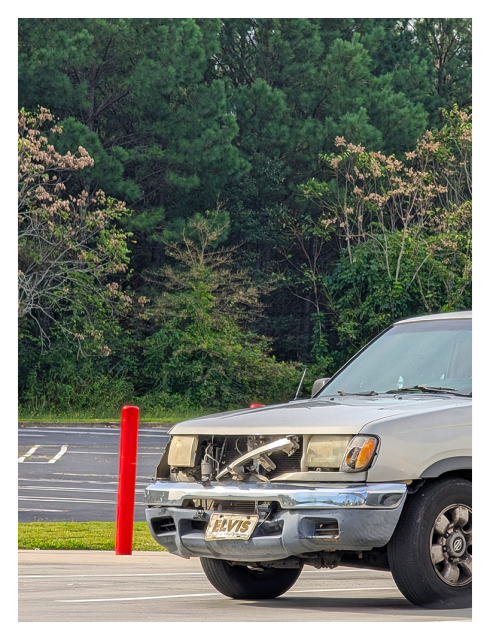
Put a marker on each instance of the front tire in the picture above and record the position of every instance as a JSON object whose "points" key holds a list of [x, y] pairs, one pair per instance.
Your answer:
{"points": [[430, 551], [242, 583]]}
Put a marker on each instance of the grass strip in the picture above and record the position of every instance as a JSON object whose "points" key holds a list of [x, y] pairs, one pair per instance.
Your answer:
{"points": [[106, 416], [81, 535]]}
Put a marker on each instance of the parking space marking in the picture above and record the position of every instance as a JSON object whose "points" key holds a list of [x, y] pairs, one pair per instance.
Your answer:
{"points": [[30, 435], [97, 475], [50, 510], [63, 450], [202, 595], [116, 453], [79, 489], [113, 575], [29, 453], [103, 482], [97, 452], [130, 575], [144, 434], [80, 500], [183, 595], [93, 501]]}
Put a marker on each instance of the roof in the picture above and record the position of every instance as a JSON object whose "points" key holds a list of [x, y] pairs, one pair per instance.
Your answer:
{"points": [[451, 315]]}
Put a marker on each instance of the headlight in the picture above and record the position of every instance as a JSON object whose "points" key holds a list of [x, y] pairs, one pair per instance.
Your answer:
{"points": [[182, 452], [359, 453], [326, 452]]}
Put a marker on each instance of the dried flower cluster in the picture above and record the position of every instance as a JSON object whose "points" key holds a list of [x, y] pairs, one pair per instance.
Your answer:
{"points": [[68, 244], [427, 197]]}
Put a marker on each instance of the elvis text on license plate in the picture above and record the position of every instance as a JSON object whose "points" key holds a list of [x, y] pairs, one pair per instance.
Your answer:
{"points": [[223, 526]]}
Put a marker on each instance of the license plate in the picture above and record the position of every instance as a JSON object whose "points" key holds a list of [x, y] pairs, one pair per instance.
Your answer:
{"points": [[225, 526]]}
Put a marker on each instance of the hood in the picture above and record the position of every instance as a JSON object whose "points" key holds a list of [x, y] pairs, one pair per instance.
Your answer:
{"points": [[342, 415]]}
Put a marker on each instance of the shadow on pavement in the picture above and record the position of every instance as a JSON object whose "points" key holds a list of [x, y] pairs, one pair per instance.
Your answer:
{"points": [[395, 605]]}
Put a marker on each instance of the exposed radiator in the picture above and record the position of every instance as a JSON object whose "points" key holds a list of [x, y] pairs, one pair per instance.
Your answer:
{"points": [[283, 462], [246, 507]]}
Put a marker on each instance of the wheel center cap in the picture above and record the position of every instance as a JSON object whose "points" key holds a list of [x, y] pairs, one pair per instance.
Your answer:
{"points": [[456, 545]]}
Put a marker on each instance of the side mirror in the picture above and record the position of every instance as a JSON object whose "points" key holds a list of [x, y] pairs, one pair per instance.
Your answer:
{"points": [[318, 384]]}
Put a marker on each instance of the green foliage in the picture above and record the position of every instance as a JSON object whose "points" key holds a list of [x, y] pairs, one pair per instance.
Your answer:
{"points": [[365, 300], [406, 233], [448, 43], [107, 171], [185, 116], [71, 254], [134, 92], [69, 385], [202, 354], [214, 365]]}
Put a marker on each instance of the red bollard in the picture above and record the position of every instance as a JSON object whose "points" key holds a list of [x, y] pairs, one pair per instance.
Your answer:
{"points": [[127, 480]]}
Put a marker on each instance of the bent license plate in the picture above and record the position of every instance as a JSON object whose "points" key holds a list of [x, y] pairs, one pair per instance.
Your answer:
{"points": [[223, 526]]}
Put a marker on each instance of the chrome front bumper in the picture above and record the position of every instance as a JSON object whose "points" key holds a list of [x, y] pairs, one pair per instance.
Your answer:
{"points": [[366, 514], [292, 496]]}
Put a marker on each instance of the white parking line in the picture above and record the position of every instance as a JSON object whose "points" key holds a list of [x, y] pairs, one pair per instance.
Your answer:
{"points": [[79, 489], [29, 453], [201, 595], [116, 453], [142, 434], [113, 575], [98, 475], [28, 434], [46, 510], [183, 595], [59, 454], [71, 489], [73, 500], [44, 499], [130, 575], [96, 430], [103, 482]]}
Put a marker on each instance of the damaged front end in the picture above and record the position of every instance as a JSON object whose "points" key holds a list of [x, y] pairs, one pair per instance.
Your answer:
{"points": [[245, 458], [230, 497]]}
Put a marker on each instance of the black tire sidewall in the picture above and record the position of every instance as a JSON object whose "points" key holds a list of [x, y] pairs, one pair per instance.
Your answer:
{"points": [[239, 582], [409, 548]]}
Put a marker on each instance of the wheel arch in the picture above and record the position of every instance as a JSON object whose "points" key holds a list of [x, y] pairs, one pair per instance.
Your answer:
{"points": [[458, 466]]}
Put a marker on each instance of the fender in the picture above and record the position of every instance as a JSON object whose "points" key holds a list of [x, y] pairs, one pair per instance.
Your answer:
{"points": [[448, 464]]}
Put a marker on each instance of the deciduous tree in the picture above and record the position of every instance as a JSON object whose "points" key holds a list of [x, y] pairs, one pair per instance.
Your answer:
{"points": [[69, 246]]}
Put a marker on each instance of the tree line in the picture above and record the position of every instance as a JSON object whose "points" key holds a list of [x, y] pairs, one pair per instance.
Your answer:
{"points": [[208, 206]]}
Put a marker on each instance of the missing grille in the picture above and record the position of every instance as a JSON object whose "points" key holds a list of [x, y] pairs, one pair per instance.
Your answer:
{"points": [[327, 529], [246, 507], [163, 525]]}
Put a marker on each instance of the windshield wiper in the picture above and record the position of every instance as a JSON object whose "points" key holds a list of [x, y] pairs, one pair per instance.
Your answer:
{"points": [[359, 393], [419, 387]]}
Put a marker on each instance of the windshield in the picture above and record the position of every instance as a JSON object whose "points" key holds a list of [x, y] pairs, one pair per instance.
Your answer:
{"points": [[432, 353]]}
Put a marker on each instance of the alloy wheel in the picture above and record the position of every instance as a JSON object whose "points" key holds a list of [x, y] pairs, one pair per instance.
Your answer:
{"points": [[451, 540]]}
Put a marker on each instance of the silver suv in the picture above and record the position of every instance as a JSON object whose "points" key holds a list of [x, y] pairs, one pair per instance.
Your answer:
{"points": [[374, 471]]}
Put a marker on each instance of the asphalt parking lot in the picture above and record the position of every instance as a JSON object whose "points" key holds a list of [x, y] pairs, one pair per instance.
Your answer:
{"points": [[70, 474], [98, 586]]}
